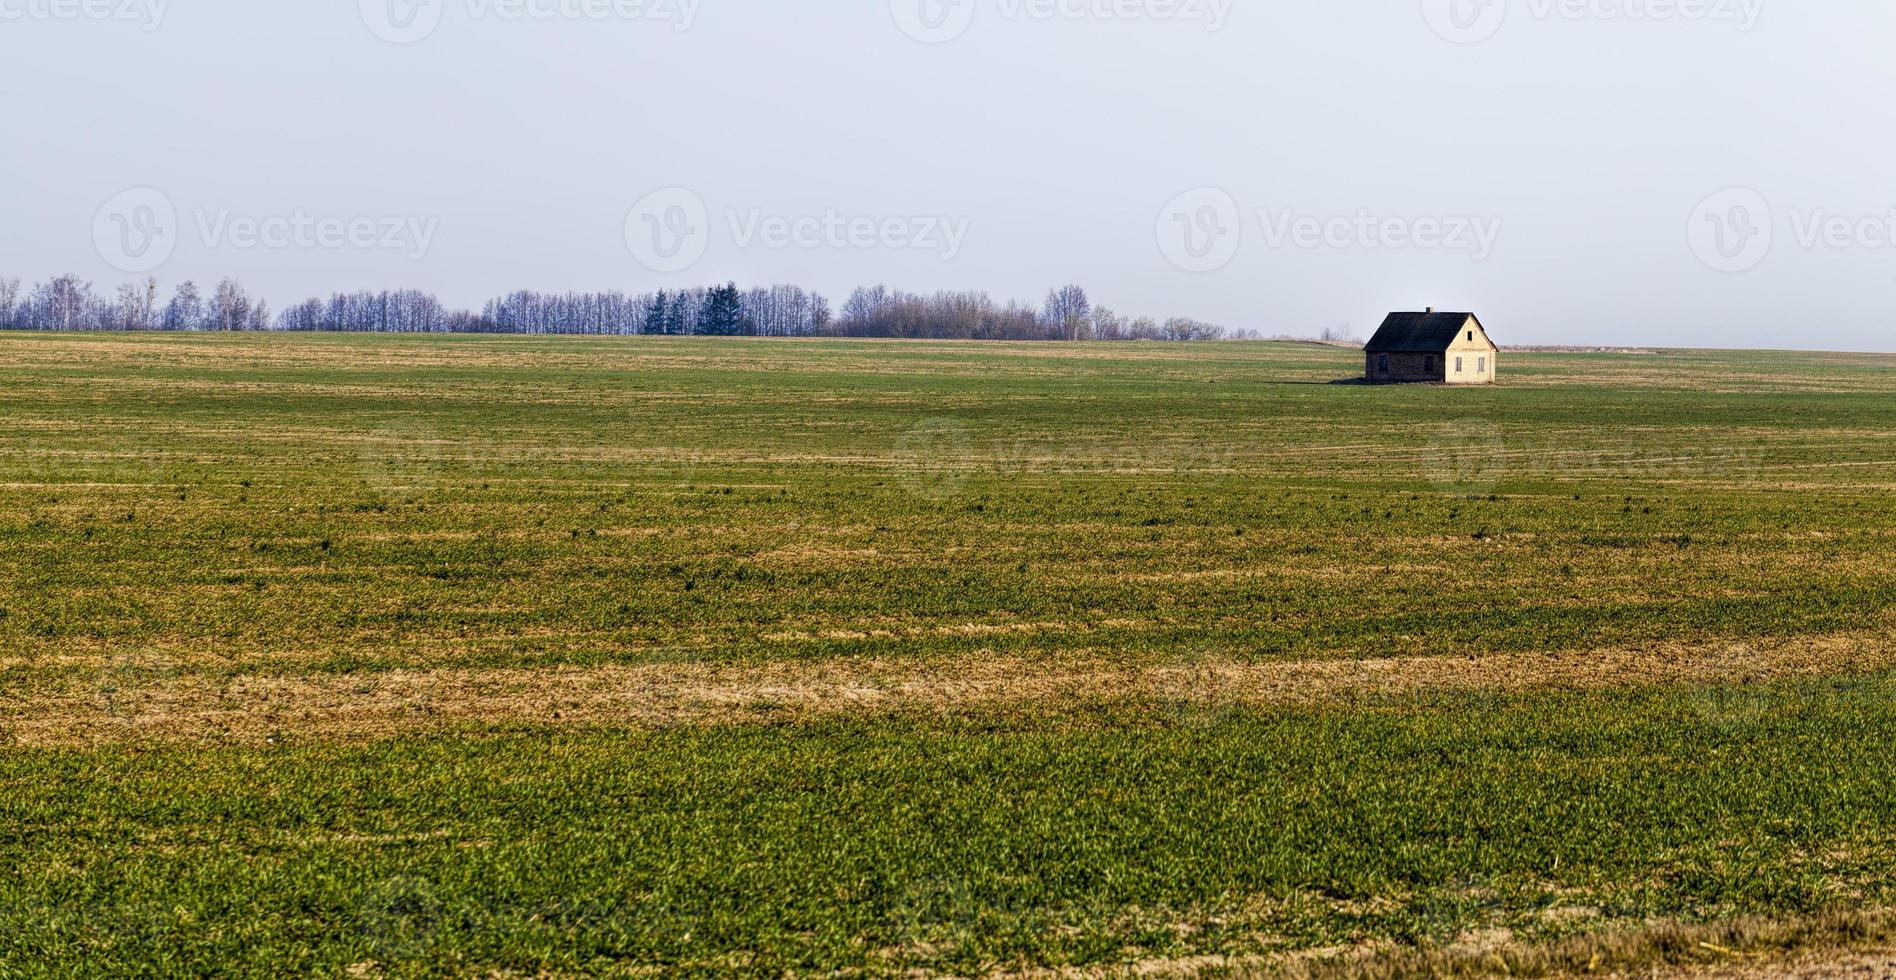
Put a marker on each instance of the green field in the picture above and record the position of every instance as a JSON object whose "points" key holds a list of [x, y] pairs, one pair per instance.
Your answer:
{"points": [[419, 656]]}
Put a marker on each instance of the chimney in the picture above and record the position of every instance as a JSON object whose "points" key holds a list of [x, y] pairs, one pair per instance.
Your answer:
{"points": [[1431, 309]]}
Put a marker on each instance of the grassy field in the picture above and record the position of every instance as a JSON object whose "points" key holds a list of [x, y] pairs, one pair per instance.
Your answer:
{"points": [[421, 656]]}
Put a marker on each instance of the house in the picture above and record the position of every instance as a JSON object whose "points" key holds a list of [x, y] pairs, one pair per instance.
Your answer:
{"points": [[1432, 348]]}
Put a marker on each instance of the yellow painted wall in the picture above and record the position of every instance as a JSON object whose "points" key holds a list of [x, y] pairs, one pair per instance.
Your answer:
{"points": [[1472, 347]]}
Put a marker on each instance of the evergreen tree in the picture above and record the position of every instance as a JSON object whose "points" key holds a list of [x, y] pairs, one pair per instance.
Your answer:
{"points": [[657, 316], [723, 311]]}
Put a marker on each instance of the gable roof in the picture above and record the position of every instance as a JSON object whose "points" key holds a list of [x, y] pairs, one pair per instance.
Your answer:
{"points": [[1419, 333]]}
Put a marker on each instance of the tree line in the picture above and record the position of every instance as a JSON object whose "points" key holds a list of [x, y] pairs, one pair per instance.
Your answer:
{"points": [[70, 303]]}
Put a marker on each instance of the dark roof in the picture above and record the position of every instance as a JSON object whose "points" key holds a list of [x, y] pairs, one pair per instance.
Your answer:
{"points": [[1418, 333]]}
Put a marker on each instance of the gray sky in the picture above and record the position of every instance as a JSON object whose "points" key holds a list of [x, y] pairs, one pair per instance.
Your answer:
{"points": [[1679, 172]]}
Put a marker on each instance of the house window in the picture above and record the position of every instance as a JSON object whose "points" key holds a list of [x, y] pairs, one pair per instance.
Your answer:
{"points": [[1382, 364], [1428, 364], [1471, 336], [1481, 365], [1458, 365]]}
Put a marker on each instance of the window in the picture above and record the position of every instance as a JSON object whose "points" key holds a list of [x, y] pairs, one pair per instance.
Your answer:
{"points": [[1471, 336], [1382, 364], [1458, 365], [1481, 365]]}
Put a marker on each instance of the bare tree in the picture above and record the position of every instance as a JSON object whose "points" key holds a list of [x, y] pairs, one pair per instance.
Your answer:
{"points": [[9, 302], [186, 309], [136, 308], [68, 303], [230, 306], [1069, 312], [64, 303], [819, 315], [862, 306], [1187, 329]]}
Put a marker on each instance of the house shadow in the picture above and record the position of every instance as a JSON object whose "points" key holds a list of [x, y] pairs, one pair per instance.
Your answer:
{"points": [[1338, 381]]}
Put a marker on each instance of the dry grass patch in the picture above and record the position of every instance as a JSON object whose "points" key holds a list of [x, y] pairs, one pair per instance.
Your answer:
{"points": [[1843, 944], [127, 705]]}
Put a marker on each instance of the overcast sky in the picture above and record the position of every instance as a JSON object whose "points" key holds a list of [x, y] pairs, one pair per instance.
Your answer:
{"points": [[1677, 172]]}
